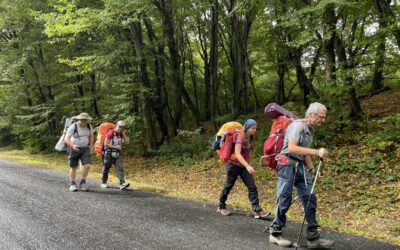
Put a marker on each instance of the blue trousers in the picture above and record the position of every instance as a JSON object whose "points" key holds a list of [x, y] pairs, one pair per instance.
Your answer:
{"points": [[289, 176]]}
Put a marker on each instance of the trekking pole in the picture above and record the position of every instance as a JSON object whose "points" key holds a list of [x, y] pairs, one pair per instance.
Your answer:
{"points": [[308, 203]]}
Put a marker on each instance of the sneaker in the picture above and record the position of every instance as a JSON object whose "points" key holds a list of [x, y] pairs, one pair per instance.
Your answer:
{"points": [[104, 185], [261, 214], [319, 243], [83, 186], [223, 211], [72, 188], [124, 186], [279, 240]]}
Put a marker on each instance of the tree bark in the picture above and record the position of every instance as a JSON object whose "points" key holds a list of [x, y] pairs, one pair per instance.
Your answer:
{"points": [[161, 101], [281, 98], [329, 44], [143, 74], [165, 8], [234, 55], [378, 81], [214, 58], [355, 106], [93, 93]]}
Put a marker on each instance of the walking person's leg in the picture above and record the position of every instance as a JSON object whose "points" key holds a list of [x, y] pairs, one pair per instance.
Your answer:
{"points": [[73, 161], [232, 173], [284, 199], [120, 173], [248, 180], [107, 163], [309, 202], [85, 160]]}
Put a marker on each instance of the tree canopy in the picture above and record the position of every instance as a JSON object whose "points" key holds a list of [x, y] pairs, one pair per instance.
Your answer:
{"points": [[165, 65]]}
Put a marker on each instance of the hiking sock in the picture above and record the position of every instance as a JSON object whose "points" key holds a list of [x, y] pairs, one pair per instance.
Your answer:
{"points": [[83, 181], [73, 183]]}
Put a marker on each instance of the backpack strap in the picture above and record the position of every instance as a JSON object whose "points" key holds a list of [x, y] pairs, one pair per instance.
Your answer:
{"points": [[76, 129], [112, 139]]}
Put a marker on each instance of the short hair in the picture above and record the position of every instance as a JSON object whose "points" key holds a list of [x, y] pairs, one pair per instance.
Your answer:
{"points": [[316, 107], [121, 123]]}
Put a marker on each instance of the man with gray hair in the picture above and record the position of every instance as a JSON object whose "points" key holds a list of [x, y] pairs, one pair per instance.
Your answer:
{"points": [[113, 154], [293, 169]]}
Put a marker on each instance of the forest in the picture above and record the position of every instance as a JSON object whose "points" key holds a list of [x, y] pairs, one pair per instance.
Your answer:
{"points": [[176, 70], [168, 65]]}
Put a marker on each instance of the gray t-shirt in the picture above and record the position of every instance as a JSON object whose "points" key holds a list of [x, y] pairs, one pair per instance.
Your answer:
{"points": [[81, 138], [300, 132]]}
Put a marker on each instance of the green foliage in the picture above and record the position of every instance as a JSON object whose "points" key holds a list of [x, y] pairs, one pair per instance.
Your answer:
{"points": [[377, 156], [186, 151]]}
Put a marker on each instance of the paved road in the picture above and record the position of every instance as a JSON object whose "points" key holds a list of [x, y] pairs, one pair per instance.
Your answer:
{"points": [[38, 212]]}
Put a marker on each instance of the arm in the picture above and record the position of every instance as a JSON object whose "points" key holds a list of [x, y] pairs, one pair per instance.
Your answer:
{"points": [[67, 139], [294, 148], [69, 143], [125, 137], [107, 142], [239, 156]]}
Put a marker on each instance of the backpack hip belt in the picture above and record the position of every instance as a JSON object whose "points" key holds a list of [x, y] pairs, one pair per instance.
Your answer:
{"points": [[286, 160]]}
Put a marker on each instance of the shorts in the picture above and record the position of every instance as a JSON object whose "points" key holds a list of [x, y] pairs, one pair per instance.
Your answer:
{"points": [[74, 156]]}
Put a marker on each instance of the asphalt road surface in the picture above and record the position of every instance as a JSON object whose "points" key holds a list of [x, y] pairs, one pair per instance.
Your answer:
{"points": [[37, 211]]}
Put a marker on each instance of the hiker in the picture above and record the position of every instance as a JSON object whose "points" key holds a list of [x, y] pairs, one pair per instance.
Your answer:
{"points": [[243, 144], [79, 139], [293, 169], [113, 154]]}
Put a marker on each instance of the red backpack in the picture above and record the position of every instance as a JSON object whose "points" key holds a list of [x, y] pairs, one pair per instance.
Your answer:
{"points": [[227, 150], [274, 143]]}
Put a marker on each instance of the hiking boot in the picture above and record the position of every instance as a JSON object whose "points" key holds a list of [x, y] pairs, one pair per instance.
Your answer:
{"points": [[261, 215], [324, 243], [104, 185], [83, 186], [123, 186], [223, 211], [73, 188], [279, 240]]}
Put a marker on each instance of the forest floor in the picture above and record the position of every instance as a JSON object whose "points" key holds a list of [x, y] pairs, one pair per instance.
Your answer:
{"points": [[358, 194]]}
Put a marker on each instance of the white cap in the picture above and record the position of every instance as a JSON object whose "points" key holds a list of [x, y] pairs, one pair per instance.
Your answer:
{"points": [[121, 123]]}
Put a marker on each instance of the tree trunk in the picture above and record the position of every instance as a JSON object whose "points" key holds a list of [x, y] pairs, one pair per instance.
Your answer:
{"points": [[165, 8], [138, 45], [234, 55], [161, 101], [193, 74], [214, 58], [355, 106], [93, 93], [281, 97], [206, 63], [329, 44], [252, 81], [377, 81], [80, 91]]}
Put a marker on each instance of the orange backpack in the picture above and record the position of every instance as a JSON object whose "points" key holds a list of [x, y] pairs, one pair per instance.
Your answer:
{"points": [[103, 129]]}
